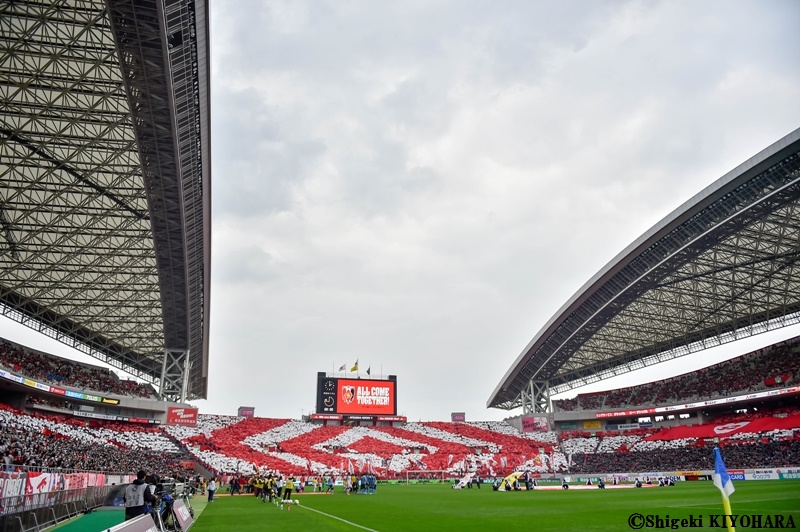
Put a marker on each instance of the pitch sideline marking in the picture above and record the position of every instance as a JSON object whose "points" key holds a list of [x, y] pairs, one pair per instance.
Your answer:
{"points": [[339, 519]]}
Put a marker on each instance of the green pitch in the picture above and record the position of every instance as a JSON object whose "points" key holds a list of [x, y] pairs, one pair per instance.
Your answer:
{"points": [[438, 507]]}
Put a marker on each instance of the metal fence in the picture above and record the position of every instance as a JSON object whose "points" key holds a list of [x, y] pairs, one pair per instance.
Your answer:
{"points": [[26, 513]]}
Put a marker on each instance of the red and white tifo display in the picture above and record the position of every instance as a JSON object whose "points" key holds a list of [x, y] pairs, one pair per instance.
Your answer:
{"points": [[368, 397]]}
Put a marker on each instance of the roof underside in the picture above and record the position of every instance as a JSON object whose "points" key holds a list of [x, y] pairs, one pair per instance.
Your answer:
{"points": [[722, 267], [104, 178]]}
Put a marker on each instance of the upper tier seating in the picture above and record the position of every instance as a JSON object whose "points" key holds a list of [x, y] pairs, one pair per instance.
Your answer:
{"points": [[57, 371], [774, 366]]}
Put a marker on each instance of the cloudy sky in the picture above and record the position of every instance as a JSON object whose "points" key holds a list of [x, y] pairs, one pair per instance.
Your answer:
{"points": [[420, 185]]}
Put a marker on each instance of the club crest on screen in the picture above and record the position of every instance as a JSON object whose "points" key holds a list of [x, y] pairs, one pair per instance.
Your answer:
{"points": [[348, 394]]}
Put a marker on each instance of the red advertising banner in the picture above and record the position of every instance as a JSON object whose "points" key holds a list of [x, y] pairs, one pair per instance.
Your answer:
{"points": [[182, 416], [624, 413], [326, 416], [361, 396]]}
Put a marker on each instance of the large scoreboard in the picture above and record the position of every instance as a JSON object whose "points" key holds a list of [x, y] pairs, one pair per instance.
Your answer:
{"points": [[362, 397]]}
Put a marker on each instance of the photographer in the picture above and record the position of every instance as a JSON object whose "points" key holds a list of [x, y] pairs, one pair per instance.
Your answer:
{"points": [[138, 496]]}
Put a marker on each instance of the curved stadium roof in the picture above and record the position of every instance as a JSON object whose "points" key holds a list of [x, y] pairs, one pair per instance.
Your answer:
{"points": [[721, 267], [105, 178]]}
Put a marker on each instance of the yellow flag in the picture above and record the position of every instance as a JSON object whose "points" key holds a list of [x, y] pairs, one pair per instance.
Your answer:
{"points": [[355, 366]]}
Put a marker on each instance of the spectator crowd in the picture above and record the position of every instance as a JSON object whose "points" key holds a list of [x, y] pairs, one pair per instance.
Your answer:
{"points": [[57, 371], [230, 446], [41, 441], [770, 367]]}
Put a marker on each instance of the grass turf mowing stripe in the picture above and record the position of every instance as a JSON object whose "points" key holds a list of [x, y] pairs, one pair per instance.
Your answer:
{"points": [[430, 507], [339, 519]]}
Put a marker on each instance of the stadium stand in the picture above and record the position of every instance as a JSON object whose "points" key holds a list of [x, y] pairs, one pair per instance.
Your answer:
{"points": [[502, 427], [677, 456], [766, 435], [227, 445], [770, 367], [62, 372], [55, 442]]}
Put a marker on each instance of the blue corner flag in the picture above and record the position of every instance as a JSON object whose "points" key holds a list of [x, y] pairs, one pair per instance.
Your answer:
{"points": [[722, 479]]}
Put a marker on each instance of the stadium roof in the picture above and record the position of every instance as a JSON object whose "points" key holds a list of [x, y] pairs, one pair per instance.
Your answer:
{"points": [[105, 184], [721, 267]]}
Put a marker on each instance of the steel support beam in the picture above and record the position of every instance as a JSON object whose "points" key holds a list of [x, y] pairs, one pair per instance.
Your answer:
{"points": [[174, 375], [535, 398]]}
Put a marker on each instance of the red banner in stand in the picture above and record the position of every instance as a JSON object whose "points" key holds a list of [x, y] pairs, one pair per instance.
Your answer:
{"points": [[725, 430], [326, 416], [182, 416]]}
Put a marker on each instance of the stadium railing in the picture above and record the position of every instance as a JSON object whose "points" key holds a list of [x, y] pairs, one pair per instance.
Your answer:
{"points": [[24, 513]]}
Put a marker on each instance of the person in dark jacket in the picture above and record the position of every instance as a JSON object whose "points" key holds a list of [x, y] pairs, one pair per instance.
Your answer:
{"points": [[138, 494]]}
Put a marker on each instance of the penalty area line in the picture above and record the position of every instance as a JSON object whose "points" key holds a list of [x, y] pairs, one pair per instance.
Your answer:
{"points": [[339, 519]]}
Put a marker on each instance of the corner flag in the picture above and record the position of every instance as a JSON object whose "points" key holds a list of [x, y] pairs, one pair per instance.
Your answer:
{"points": [[722, 479]]}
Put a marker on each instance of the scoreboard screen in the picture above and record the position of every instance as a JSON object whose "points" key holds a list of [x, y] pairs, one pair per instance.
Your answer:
{"points": [[356, 396]]}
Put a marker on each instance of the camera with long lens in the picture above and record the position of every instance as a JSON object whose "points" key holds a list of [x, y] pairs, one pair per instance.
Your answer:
{"points": [[171, 486]]}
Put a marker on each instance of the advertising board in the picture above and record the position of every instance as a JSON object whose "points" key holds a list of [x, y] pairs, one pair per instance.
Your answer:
{"points": [[763, 474], [143, 523], [535, 424], [736, 474], [182, 515], [182, 416], [55, 390], [791, 390], [789, 474]]}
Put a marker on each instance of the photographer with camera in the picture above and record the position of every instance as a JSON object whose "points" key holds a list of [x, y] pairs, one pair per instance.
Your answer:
{"points": [[139, 497]]}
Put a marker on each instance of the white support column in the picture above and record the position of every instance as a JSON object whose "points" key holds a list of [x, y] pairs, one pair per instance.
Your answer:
{"points": [[535, 398], [174, 375]]}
